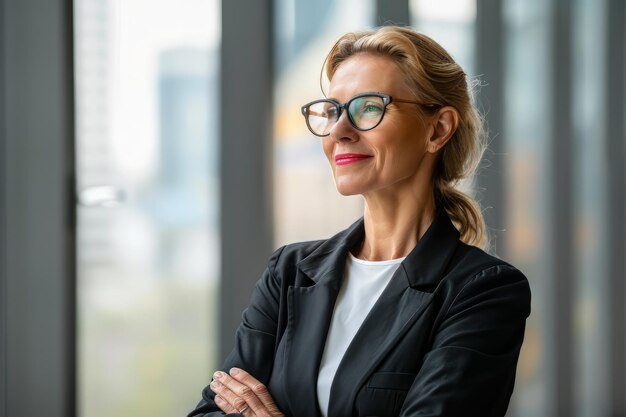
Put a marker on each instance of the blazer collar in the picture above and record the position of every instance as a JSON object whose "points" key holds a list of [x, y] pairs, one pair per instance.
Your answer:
{"points": [[423, 266]]}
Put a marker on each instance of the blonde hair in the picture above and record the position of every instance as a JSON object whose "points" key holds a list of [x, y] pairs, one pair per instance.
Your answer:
{"points": [[432, 76]]}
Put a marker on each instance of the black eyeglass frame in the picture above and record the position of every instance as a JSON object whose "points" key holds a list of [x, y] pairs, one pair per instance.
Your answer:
{"points": [[387, 99]]}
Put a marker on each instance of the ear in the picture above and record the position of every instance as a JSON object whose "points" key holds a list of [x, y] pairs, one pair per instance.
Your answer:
{"points": [[445, 123]]}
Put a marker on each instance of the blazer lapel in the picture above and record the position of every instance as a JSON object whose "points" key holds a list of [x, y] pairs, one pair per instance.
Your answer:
{"points": [[310, 305], [402, 302]]}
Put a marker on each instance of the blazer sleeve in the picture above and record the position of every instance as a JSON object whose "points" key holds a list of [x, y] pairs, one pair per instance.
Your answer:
{"points": [[470, 369], [254, 340]]}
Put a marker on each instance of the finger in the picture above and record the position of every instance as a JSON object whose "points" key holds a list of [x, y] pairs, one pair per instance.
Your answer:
{"points": [[259, 389], [226, 394], [224, 405], [238, 394]]}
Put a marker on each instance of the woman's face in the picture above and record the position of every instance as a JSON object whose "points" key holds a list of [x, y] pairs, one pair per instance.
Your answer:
{"points": [[394, 150]]}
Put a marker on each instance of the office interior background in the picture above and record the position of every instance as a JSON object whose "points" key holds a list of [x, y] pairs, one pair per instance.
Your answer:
{"points": [[147, 145]]}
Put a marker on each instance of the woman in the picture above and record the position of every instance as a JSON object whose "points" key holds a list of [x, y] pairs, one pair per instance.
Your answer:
{"points": [[402, 314]]}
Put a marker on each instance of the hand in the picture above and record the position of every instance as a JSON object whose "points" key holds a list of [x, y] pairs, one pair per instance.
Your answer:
{"points": [[240, 392]]}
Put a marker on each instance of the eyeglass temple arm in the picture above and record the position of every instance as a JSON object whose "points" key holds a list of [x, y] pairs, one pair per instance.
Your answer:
{"points": [[314, 113], [398, 100]]}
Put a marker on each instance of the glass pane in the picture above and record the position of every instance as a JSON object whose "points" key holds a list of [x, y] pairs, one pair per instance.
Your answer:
{"points": [[451, 24], [307, 203], [148, 247], [590, 332], [527, 126]]}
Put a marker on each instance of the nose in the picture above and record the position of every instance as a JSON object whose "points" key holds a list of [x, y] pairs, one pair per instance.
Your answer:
{"points": [[343, 129]]}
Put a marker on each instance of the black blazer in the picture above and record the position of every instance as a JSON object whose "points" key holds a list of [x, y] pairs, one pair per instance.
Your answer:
{"points": [[443, 339]]}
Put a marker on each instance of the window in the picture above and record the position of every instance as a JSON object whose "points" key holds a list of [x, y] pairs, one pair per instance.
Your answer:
{"points": [[148, 242]]}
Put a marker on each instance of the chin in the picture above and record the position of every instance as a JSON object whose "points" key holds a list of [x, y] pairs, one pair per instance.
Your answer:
{"points": [[347, 193], [348, 189]]}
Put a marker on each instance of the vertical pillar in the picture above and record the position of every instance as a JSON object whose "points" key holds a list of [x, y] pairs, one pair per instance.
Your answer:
{"points": [[37, 215], [560, 358], [615, 146], [394, 12], [491, 175], [247, 83]]}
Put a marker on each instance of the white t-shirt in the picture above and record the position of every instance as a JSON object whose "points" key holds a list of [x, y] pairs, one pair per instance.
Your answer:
{"points": [[363, 283]]}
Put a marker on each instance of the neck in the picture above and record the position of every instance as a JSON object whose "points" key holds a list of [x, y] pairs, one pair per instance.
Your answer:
{"points": [[394, 222]]}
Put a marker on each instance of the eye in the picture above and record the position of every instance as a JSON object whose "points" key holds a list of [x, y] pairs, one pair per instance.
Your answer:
{"points": [[366, 111], [372, 107]]}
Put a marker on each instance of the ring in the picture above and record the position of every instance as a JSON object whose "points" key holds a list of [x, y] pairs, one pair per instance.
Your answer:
{"points": [[243, 410]]}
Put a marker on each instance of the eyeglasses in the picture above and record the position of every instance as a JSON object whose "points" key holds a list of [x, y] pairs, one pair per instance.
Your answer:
{"points": [[365, 112]]}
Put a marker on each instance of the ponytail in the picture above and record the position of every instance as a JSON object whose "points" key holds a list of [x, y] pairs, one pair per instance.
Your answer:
{"points": [[464, 212]]}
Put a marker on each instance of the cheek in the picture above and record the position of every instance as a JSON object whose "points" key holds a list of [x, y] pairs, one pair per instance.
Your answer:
{"points": [[402, 159], [327, 147]]}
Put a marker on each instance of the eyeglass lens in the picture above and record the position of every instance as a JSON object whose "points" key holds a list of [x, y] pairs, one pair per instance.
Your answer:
{"points": [[364, 112]]}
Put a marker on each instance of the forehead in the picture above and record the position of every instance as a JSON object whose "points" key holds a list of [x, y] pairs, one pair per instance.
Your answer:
{"points": [[365, 73]]}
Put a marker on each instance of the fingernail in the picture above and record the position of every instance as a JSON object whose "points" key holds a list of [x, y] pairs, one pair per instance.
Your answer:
{"points": [[234, 371], [217, 375]]}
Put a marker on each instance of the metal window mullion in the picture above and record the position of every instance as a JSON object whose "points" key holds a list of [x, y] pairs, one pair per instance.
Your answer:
{"points": [[395, 12], [489, 33], [3, 228], [615, 138], [246, 168], [560, 304]]}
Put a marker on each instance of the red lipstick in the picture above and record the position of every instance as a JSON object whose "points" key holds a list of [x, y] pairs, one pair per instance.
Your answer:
{"points": [[348, 158]]}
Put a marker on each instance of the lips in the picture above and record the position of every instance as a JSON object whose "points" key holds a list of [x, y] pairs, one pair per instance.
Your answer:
{"points": [[349, 158]]}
